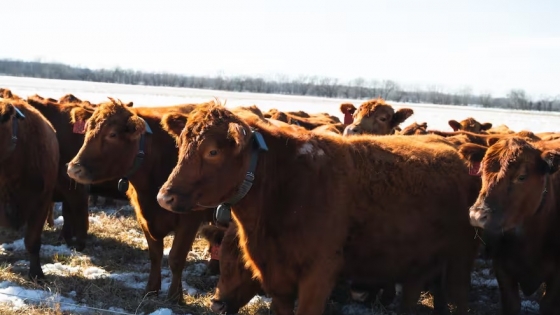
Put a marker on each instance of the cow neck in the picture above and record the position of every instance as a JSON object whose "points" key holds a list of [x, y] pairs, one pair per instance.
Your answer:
{"points": [[13, 141], [223, 211], [138, 159]]}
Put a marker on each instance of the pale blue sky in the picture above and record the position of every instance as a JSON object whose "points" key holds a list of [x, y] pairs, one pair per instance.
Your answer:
{"points": [[489, 45]]}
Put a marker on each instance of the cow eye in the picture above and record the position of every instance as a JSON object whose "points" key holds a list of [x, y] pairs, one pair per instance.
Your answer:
{"points": [[213, 153], [112, 135], [383, 119], [521, 177]]}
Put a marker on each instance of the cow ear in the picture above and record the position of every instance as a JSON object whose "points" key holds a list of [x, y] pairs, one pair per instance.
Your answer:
{"points": [[485, 126], [347, 108], [552, 159], [129, 104], [401, 115], [173, 123], [136, 125], [472, 153], [492, 140], [79, 114], [6, 112], [238, 133], [454, 124]]}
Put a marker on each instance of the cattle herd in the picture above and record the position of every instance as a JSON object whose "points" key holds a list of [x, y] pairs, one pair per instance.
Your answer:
{"points": [[293, 204]]}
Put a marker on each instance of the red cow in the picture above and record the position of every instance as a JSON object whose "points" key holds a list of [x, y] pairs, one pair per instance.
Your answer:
{"points": [[28, 168], [322, 209], [519, 213], [129, 143]]}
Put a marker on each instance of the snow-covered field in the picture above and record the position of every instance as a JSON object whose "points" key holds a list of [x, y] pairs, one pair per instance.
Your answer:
{"points": [[436, 116], [110, 275]]}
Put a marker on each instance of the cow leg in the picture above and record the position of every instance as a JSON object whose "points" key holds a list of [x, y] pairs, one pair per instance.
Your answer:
{"points": [[32, 239], [509, 291], [282, 305], [457, 281], [155, 249], [315, 289], [182, 243], [50, 216], [76, 219], [550, 302], [410, 295]]}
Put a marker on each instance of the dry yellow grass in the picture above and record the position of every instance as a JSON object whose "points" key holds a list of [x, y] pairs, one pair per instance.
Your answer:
{"points": [[117, 245]]}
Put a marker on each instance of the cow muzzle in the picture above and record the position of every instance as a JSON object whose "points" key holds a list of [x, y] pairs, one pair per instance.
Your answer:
{"points": [[79, 173], [172, 201], [352, 130], [480, 216], [219, 307]]}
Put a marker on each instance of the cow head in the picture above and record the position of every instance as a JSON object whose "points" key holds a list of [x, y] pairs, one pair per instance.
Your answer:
{"points": [[415, 129], [470, 124], [377, 118], [515, 175], [9, 116], [214, 154], [236, 285], [69, 98], [111, 143]]}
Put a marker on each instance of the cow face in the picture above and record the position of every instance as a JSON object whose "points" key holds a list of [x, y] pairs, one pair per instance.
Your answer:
{"points": [[110, 145], [515, 177], [214, 155], [377, 118], [236, 286], [470, 124], [415, 129]]}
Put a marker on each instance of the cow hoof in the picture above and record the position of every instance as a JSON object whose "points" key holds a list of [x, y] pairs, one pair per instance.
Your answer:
{"points": [[38, 277], [359, 296], [176, 298]]}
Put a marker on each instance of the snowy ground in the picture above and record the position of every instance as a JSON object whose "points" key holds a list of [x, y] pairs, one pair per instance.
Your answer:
{"points": [[109, 276], [436, 116]]}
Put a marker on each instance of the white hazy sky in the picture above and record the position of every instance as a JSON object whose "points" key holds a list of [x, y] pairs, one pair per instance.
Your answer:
{"points": [[488, 45]]}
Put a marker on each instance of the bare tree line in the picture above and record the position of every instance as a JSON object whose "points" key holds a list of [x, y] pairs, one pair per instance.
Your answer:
{"points": [[359, 88]]}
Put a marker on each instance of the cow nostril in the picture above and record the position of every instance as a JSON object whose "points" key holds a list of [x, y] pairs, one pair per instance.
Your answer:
{"points": [[218, 306]]}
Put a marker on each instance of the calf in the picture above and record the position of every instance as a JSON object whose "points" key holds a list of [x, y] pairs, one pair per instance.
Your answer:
{"points": [[519, 213], [377, 118], [28, 167], [310, 208], [130, 144]]}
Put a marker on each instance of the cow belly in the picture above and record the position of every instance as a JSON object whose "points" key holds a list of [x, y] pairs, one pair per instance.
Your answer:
{"points": [[9, 217]]}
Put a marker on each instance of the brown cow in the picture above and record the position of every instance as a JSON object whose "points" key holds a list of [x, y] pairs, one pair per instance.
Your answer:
{"points": [[377, 118], [297, 118], [519, 212], [322, 209], [469, 124], [74, 197], [28, 167], [414, 129], [129, 143]]}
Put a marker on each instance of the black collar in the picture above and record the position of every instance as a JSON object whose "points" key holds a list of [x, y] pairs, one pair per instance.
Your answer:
{"points": [[123, 182], [223, 211]]}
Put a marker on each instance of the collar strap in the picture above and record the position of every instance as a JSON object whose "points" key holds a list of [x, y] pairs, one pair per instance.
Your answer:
{"points": [[123, 182], [19, 115], [543, 194], [223, 211]]}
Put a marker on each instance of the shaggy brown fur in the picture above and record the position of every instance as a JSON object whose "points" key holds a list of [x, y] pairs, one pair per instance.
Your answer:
{"points": [[7, 94], [376, 117], [302, 119], [108, 152], [519, 212], [27, 174], [344, 193]]}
